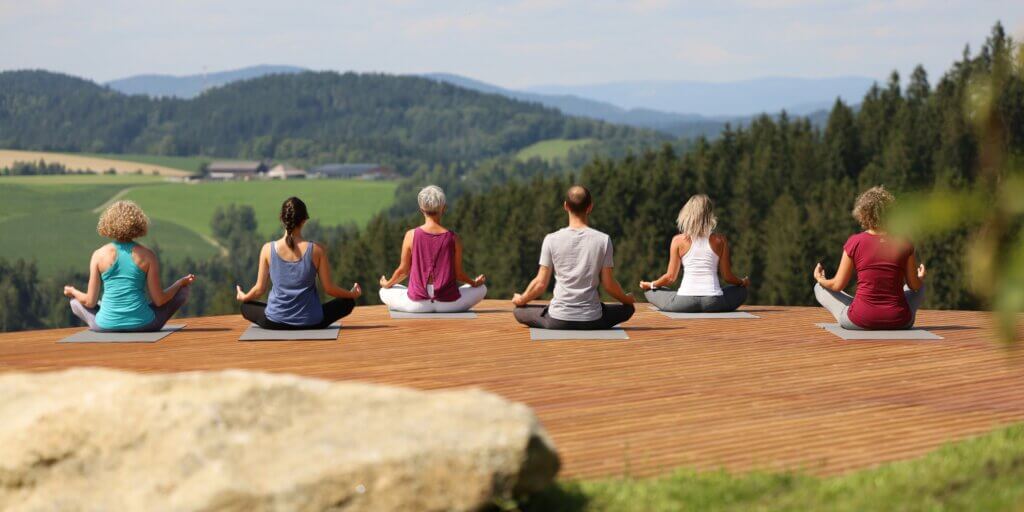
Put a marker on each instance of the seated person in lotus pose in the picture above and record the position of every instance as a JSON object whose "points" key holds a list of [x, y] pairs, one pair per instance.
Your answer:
{"points": [[703, 256], [432, 260], [292, 265], [581, 259], [133, 299], [890, 284]]}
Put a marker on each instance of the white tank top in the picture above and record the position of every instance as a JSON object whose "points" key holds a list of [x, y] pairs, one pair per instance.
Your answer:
{"points": [[700, 270]]}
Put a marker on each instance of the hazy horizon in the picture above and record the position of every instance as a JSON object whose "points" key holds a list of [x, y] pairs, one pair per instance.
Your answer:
{"points": [[519, 44]]}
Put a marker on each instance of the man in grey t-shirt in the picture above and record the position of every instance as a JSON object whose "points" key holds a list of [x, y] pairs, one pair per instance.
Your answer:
{"points": [[582, 259]]}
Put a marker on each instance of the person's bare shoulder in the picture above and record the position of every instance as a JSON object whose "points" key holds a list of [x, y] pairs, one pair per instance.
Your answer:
{"points": [[718, 242]]}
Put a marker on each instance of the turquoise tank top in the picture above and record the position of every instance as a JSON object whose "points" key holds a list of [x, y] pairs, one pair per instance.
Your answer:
{"points": [[125, 304]]}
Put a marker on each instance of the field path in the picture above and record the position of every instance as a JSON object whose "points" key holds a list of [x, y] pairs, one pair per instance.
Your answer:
{"points": [[113, 198], [210, 240], [9, 156]]}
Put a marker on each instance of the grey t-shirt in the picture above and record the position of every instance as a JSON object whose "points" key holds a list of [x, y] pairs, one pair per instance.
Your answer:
{"points": [[576, 256]]}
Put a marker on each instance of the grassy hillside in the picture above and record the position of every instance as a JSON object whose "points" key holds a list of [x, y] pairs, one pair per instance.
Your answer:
{"points": [[553, 149], [52, 219], [985, 473], [331, 202], [55, 225]]}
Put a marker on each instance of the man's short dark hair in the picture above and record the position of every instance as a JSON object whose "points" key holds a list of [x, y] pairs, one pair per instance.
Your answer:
{"points": [[578, 199]]}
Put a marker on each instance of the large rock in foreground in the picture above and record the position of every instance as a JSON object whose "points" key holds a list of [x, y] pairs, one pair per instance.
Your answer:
{"points": [[92, 439]]}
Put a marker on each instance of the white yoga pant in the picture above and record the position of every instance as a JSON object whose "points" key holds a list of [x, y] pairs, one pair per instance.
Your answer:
{"points": [[397, 299]]}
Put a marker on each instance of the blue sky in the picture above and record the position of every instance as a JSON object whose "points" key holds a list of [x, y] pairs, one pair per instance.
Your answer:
{"points": [[510, 43]]}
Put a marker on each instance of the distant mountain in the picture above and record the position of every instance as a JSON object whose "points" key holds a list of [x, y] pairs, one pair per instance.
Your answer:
{"points": [[797, 96], [576, 106], [190, 86], [679, 124]]}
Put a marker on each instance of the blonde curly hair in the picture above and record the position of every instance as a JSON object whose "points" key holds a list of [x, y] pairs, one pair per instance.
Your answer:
{"points": [[871, 207], [123, 221]]}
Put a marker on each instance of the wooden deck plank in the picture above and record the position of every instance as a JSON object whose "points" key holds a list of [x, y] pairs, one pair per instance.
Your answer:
{"points": [[772, 393]]}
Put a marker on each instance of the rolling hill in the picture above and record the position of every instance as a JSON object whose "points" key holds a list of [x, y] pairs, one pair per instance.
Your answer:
{"points": [[310, 117], [797, 96]]}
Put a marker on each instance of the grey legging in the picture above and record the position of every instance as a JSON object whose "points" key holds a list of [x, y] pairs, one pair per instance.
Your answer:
{"points": [[731, 298], [537, 316], [162, 313], [838, 303]]}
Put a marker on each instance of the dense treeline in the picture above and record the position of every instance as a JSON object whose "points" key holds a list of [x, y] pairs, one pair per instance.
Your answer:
{"points": [[308, 118], [784, 190]]}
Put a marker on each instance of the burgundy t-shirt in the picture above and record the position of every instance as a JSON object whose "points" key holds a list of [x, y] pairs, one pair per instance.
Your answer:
{"points": [[881, 264]]}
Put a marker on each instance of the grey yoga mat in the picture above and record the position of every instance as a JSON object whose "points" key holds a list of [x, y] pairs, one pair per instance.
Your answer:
{"points": [[900, 334], [553, 334], [257, 333], [699, 316], [88, 336], [401, 315]]}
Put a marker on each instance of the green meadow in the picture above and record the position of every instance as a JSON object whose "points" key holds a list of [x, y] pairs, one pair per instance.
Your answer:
{"points": [[52, 219], [331, 202], [552, 149]]}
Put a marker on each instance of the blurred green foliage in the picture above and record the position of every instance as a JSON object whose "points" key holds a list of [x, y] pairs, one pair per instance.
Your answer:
{"points": [[992, 206]]}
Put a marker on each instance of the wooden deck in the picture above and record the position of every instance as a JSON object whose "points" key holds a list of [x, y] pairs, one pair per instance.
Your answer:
{"points": [[771, 393]]}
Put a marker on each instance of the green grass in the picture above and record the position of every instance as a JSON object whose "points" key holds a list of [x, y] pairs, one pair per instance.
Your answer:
{"points": [[552, 149], [82, 179], [331, 202], [985, 473], [185, 163], [52, 219], [54, 224], [69, 239]]}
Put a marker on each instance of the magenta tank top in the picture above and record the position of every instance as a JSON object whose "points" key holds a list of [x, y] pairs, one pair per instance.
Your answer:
{"points": [[433, 261]]}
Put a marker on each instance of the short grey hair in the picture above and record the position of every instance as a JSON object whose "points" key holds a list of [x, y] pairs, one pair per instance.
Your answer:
{"points": [[431, 199]]}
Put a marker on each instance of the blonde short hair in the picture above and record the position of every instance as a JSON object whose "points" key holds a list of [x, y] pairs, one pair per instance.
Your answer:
{"points": [[871, 207], [123, 221], [697, 217], [431, 200]]}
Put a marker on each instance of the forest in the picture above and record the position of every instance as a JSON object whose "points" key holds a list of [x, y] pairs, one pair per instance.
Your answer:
{"points": [[308, 118], [783, 191]]}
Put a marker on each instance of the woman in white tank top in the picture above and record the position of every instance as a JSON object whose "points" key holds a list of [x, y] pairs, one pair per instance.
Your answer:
{"points": [[703, 256]]}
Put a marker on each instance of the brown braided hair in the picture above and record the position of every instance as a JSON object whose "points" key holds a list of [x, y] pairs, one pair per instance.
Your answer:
{"points": [[293, 213]]}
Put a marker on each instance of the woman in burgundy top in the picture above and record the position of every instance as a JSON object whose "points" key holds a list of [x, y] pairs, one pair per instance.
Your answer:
{"points": [[432, 260], [890, 284]]}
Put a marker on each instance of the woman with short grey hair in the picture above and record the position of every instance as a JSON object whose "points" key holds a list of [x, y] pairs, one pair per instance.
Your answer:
{"points": [[432, 260], [703, 255]]}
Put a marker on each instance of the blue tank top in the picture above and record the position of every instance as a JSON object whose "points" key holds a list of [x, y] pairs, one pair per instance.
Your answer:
{"points": [[293, 298], [125, 305]]}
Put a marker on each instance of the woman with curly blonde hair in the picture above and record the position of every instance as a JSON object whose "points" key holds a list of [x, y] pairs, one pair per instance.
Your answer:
{"points": [[890, 283], [133, 299], [703, 256]]}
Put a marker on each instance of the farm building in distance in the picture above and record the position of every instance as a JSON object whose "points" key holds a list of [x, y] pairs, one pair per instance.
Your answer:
{"points": [[358, 171], [286, 172], [235, 169]]}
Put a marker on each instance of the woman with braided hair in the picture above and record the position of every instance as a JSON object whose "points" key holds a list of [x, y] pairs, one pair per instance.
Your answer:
{"points": [[291, 265]]}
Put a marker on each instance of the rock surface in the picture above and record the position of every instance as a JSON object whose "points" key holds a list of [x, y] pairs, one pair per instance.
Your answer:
{"points": [[90, 439]]}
